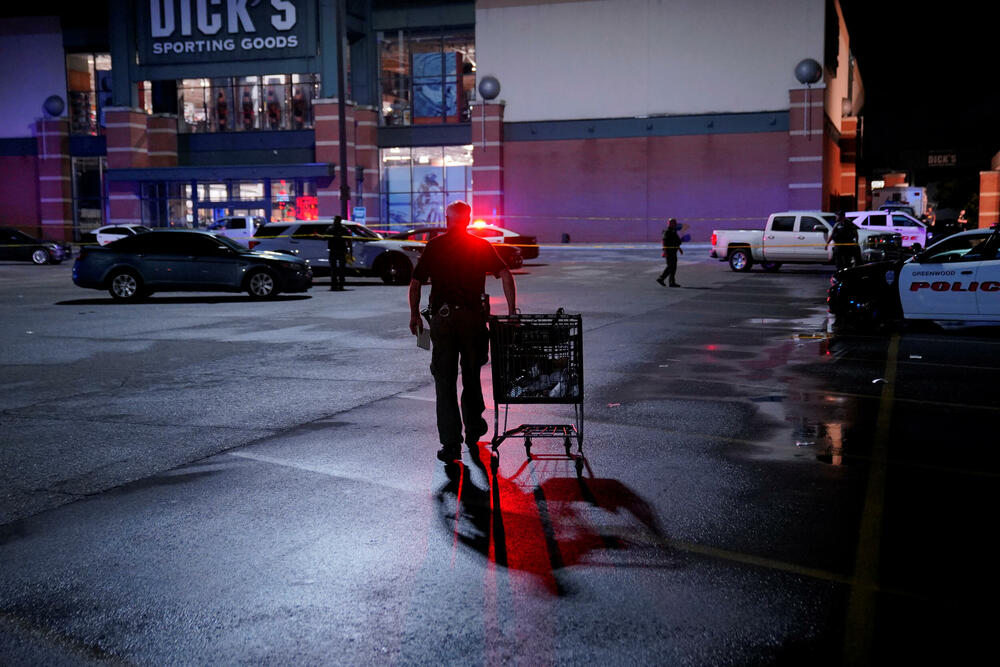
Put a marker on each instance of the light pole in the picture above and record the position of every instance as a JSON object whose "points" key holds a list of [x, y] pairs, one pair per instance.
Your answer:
{"points": [[489, 88], [808, 71]]}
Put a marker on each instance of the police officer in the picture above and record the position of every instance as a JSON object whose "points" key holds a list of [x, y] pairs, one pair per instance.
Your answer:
{"points": [[337, 245], [671, 246], [456, 264], [844, 237]]}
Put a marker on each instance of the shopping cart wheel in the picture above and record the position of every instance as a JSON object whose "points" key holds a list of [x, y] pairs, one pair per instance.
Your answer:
{"points": [[527, 446]]}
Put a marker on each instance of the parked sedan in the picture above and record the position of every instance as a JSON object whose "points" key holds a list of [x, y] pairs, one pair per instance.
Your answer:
{"points": [[528, 245], [511, 255], [186, 260], [16, 245]]}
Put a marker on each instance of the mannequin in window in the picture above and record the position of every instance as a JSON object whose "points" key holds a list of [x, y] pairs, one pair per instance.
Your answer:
{"points": [[222, 111], [247, 105], [298, 110], [273, 110]]}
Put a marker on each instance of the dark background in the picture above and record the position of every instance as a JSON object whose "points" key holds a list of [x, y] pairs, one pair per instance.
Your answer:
{"points": [[929, 86]]}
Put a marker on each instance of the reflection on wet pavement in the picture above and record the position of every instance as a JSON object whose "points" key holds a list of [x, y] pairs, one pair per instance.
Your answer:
{"points": [[545, 517]]}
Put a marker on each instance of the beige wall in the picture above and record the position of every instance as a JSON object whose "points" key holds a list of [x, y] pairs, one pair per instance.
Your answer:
{"points": [[565, 59]]}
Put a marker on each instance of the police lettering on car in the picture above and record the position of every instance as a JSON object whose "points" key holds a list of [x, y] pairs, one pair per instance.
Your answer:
{"points": [[956, 279]]}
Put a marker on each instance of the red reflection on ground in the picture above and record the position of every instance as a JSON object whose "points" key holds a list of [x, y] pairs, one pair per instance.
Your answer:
{"points": [[544, 517]]}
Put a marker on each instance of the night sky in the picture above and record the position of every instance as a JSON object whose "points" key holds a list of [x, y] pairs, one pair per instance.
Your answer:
{"points": [[929, 85]]}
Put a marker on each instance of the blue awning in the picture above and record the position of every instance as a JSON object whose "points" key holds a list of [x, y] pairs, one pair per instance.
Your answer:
{"points": [[246, 172]]}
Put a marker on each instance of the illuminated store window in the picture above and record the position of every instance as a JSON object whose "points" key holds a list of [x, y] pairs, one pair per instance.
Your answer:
{"points": [[268, 102], [88, 84], [426, 78], [416, 184], [199, 204]]}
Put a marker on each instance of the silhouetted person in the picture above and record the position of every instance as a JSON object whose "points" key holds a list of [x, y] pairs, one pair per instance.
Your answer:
{"points": [[671, 246], [844, 237], [456, 264], [337, 245], [963, 221]]}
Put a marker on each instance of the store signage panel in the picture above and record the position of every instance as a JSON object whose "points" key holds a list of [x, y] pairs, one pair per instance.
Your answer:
{"points": [[172, 32]]}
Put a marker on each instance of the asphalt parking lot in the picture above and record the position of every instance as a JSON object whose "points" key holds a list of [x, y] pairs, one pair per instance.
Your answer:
{"points": [[202, 478]]}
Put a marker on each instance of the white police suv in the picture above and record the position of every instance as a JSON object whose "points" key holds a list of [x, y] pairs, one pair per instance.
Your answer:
{"points": [[956, 279]]}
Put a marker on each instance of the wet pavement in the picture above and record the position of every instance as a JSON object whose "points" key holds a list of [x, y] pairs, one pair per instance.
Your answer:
{"points": [[204, 479]]}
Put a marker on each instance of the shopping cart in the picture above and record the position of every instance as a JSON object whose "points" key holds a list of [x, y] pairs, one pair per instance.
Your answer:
{"points": [[537, 359]]}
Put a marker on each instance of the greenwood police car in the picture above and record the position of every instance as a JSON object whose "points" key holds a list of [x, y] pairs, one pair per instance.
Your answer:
{"points": [[956, 279]]}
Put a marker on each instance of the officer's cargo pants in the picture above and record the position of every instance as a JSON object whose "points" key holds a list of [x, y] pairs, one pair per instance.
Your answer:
{"points": [[457, 342]]}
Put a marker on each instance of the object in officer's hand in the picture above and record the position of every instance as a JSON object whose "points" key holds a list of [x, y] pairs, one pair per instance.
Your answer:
{"points": [[424, 339]]}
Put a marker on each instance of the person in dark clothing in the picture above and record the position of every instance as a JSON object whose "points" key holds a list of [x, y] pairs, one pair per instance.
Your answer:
{"points": [[456, 264], [844, 237], [337, 245], [671, 246]]}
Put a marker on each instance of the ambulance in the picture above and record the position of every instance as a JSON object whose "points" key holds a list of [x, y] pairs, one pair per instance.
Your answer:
{"points": [[956, 279]]}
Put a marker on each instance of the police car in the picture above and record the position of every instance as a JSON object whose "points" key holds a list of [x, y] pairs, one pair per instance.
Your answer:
{"points": [[913, 232], [956, 279]]}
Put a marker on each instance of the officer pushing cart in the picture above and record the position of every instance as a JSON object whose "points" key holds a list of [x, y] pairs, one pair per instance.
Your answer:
{"points": [[456, 264]]}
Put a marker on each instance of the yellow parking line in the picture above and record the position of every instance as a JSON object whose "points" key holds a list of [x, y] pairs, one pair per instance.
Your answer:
{"points": [[859, 633]]}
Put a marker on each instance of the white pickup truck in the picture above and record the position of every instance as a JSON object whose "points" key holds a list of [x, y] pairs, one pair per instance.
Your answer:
{"points": [[793, 237]]}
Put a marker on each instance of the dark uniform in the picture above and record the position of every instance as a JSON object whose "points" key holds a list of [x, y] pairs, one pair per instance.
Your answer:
{"points": [[337, 245], [456, 263], [671, 245], [846, 251]]}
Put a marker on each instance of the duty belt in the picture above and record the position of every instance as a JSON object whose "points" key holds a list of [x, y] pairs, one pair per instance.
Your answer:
{"points": [[445, 309]]}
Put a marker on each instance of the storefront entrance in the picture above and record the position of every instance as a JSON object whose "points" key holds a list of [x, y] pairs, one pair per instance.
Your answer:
{"points": [[198, 204]]}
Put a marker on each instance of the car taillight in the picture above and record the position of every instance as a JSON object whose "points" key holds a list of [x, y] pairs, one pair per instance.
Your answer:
{"points": [[715, 238], [253, 244], [84, 250]]}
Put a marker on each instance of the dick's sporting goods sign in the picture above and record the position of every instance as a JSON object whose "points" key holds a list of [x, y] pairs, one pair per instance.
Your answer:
{"points": [[195, 31]]}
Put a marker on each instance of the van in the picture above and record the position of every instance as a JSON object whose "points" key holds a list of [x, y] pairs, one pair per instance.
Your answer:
{"points": [[240, 228]]}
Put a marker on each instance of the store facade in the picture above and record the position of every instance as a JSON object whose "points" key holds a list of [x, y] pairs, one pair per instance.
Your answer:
{"points": [[184, 112], [256, 127]]}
